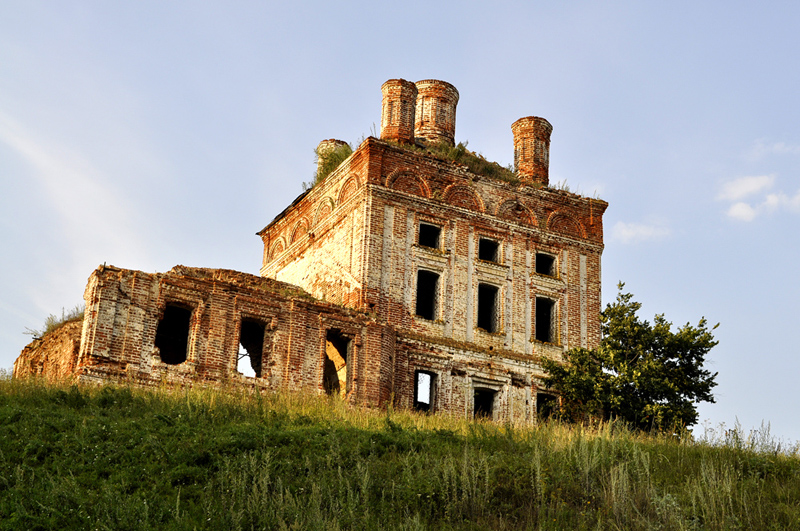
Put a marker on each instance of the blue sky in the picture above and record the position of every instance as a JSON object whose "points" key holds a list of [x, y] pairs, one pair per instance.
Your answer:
{"points": [[150, 134]]}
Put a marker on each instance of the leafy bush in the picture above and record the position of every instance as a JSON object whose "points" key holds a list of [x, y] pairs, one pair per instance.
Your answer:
{"points": [[642, 373]]}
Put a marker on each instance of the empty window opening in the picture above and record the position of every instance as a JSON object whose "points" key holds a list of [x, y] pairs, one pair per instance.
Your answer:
{"points": [[172, 334], [429, 235], [334, 374], [484, 402], [546, 405], [545, 320], [251, 348], [546, 264], [488, 250], [487, 307], [424, 390], [427, 294]]}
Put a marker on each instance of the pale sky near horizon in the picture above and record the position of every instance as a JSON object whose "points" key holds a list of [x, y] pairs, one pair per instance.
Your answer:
{"points": [[149, 134]]}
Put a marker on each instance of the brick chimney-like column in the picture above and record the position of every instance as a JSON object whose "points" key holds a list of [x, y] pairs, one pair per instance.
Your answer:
{"points": [[532, 149], [436, 111], [397, 113]]}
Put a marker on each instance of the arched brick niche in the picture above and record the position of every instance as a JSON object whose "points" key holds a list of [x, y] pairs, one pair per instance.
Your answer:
{"points": [[465, 197]]}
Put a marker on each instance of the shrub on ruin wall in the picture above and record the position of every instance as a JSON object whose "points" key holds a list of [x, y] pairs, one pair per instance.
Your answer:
{"points": [[327, 162], [53, 322]]}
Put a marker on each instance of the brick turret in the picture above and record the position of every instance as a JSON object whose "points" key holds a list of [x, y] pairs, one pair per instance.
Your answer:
{"points": [[532, 149], [436, 111], [397, 113]]}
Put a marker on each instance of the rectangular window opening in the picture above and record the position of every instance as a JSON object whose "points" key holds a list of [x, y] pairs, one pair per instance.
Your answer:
{"points": [[546, 405], [334, 373], [251, 348], [424, 386], [546, 264], [427, 294], [484, 403], [487, 307], [545, 320], [429, 235], [172, 334], [488, 250]]}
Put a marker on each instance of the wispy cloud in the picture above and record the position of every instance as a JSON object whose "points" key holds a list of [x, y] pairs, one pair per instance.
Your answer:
{"points": [[631, 233], [762, 148], [743, 187]]}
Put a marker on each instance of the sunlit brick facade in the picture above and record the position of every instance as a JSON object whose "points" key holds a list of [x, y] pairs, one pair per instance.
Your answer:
{"points": [[401, 276]]}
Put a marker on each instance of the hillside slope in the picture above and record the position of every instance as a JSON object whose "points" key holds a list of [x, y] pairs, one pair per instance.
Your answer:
{"points": [[125, 458]]}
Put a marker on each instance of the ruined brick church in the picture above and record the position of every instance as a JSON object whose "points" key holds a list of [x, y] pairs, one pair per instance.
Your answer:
{"points": [[402, 276]]}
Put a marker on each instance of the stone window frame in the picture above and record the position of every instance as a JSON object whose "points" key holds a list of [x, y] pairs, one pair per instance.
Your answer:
{"points": [[436, 222]]}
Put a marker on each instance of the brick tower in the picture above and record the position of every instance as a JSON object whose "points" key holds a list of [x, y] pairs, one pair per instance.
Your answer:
{"points": [[436, 111], [532, 149], [397, 112]]}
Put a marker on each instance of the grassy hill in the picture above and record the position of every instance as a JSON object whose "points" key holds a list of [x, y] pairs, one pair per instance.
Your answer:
{"points": [[122, 458]]}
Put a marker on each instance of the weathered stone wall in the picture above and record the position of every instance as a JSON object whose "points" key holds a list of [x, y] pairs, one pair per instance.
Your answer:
{"points": [[53, 356]]}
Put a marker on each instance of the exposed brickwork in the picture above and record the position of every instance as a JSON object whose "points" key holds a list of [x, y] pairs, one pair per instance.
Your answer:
{"points": [[397, 112], [52, 356], [505, 275], [532, 149], [435, 119]]}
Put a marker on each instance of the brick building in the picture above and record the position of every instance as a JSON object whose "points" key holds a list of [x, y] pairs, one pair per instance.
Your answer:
{"points": [[415, 271]]}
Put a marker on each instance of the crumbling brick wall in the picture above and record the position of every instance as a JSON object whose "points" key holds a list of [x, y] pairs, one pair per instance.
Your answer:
{"points": [[53, 356]]}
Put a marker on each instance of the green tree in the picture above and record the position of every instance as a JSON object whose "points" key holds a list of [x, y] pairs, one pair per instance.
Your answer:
{"points": [[643, 373]]}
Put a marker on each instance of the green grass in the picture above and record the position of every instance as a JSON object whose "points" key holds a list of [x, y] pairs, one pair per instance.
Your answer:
{"points": [[119, 458]]}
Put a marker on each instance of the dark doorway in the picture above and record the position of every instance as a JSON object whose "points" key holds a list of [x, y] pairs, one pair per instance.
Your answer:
{"points": [[334, 372], [251, 347], [172, 334], [484, 402], [546, 405]]}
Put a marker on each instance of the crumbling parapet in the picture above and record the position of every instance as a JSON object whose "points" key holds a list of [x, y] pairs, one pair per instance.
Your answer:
{"points": [[52, 356]]}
